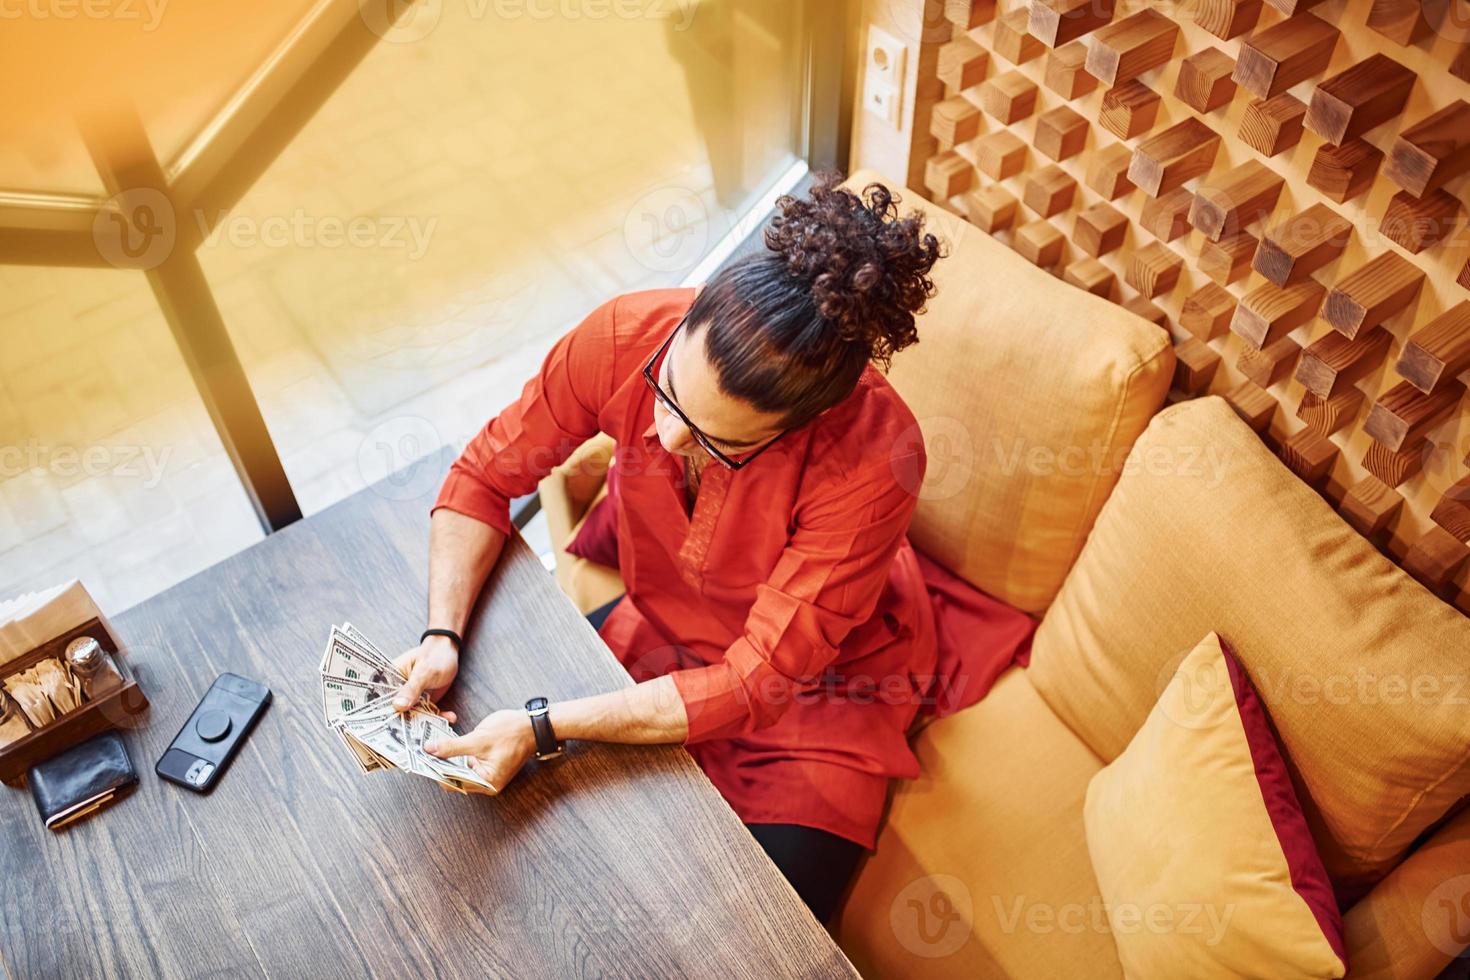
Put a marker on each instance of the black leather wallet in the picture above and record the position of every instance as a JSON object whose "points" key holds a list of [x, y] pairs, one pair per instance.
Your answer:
{"points": [[82, 780]]}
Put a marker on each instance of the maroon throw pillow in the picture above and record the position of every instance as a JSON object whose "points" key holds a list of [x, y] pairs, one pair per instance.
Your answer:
{"points": [[597, 539]]}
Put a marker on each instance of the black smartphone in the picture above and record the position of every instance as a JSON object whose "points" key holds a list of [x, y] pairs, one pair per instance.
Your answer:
{"points": [[203, 748]]}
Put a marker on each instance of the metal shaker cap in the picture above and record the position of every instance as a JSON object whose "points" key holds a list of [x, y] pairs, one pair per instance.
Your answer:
{"points": [[84, 652]]}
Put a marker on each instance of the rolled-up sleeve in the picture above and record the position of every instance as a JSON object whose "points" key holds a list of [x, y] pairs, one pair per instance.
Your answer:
{"points": [[827, 582], [555, 413]]}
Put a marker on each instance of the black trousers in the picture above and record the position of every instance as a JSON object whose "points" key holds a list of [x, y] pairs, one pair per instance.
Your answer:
{"points": [[818, 864]]}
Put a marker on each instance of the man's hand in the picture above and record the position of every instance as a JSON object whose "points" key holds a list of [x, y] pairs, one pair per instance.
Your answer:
{"points": [[496, 748], [430, 668]]}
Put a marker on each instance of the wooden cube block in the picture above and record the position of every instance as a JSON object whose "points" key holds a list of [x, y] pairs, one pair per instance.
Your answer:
{"points": [[1273, 60], [1166, 217], [1049, 191], [1129, 109], [1325, 416], [1370, 507], [990, 208], [1271, 126], [1039, 243], [1435, 559], [1000, 154], [1195, 365], [1343, 172], [1056, 22], [1253, 404], [1228, 259], [1208, 311], [954, 120], [1100, 229], [1363, 96], [1403, 415], [1009, 97], [1268, 365], [1270, 312], [1013, 41], [1301, 244], [1333, 362], [969, 14], [1154, 269], [1460, 66], [1204, 83], [1438, 352], [1433, 151], [1309, 455], [1401, 21], [1060, 133], [1383, 287], [947, 174], [962, 63], [1107, 173], [1148, 309], [1453, 510], [1065, 71], [1227, 18], [1416, 223], [1129, 47], [1393, 468], [1181, 152], [1229, 202], [1091, 275]]}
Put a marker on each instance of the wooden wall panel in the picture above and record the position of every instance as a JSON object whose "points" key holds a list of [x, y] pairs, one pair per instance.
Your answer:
{"points": [[1194, 183]]}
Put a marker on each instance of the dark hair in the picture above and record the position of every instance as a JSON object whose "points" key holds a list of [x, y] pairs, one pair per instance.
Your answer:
{"points": [[791, 329]]}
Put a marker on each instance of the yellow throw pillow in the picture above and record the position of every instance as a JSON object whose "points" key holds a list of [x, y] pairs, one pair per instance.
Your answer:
{"points": [[1201, 852], [1028, 397]]}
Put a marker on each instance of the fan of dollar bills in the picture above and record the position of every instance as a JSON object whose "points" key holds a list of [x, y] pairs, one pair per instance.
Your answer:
{"points": [[358, 684]]}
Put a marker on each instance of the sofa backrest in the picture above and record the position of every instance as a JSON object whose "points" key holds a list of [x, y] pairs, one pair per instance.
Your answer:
{"points": [[1362, 670], [1029, 392]]}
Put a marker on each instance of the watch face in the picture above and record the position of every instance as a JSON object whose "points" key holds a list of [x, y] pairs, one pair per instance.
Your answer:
{"points": [[537, 704]]}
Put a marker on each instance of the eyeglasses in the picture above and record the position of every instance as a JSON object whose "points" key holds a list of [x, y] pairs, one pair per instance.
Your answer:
{"points": [[667, 402]]}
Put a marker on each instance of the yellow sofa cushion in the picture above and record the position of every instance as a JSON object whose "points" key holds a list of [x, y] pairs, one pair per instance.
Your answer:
{"points": [[1200, 849], [567, 495], [1028, 392], [1362, 670], [981, 869], [1418, 918]]}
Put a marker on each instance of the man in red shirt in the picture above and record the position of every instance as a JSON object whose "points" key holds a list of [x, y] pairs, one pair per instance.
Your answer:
{"points": [[775, 620]]}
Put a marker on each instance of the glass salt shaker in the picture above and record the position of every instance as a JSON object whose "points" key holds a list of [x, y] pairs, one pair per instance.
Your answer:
{"points": [[89, 664]]}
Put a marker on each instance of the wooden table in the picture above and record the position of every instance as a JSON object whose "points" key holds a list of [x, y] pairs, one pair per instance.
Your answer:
{"points": [[611, 862]]}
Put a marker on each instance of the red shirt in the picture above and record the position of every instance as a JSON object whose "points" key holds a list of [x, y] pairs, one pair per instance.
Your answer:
{"points": [[789, 606]]}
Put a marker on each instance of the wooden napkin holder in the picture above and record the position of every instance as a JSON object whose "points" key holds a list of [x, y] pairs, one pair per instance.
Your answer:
{"points": [[109, 711]]}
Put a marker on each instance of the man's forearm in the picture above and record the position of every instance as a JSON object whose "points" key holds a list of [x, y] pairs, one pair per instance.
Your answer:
{"points": [[462, 551], [649, 713]]}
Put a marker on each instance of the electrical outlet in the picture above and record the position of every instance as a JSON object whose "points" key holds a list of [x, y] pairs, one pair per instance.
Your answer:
{"points": [[883, 75], [883, 102]]}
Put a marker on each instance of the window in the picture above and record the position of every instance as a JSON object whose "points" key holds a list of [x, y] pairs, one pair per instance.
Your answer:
{"points": [[377, 227]]}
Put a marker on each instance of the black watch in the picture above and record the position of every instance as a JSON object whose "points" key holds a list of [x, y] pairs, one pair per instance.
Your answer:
{"points": [[547, 747]]}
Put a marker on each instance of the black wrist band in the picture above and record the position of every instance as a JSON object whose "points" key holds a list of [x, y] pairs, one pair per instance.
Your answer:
{"points": [[450, 634], [547, 747]]}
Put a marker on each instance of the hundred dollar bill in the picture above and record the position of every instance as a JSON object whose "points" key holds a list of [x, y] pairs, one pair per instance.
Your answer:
{"points": [[342, 695], [346, 657]]}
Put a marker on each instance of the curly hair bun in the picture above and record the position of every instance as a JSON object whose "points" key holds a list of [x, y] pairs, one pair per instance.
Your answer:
{"points": [[867, 268]]}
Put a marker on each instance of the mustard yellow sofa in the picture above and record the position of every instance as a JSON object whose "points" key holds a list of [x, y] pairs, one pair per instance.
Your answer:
{"points": [[1057, 484]]}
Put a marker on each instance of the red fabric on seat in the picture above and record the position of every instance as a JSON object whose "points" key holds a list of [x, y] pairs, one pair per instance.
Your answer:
{"points": [[597, 539], [979, 637]]}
